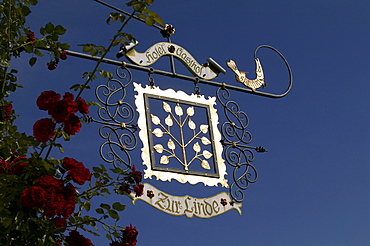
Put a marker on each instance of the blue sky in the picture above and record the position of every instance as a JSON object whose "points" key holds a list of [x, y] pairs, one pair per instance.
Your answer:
{"points": [[313, 186]]}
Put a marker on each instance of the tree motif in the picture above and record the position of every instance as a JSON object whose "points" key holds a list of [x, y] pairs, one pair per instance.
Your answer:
{"points": [[178, 121]]}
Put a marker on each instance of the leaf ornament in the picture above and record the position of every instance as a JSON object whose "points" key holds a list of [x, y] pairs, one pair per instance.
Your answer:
{"points": [[158, 132], [155, 119], [166, 107], [178, 110], [205, 164]]}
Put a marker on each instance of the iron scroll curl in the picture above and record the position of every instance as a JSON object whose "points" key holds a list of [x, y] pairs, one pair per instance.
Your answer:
{"points": [[265, 94]]}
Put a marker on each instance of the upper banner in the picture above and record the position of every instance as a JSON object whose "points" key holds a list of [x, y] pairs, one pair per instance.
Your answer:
{"points": [[158, 50]]}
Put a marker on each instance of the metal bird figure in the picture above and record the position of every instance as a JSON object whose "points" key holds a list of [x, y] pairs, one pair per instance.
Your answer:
{"points": [[242, 78]]}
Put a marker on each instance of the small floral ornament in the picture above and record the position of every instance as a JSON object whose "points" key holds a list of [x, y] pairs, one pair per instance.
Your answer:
{"points": [[168, 30], [223, 202], [150, 194]]}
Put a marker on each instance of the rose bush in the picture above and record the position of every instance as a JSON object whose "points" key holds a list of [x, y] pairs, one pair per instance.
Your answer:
{"points": [[39, 204]]}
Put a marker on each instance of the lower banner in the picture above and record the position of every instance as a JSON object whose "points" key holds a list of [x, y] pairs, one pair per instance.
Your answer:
{"points": [[187, 205]]}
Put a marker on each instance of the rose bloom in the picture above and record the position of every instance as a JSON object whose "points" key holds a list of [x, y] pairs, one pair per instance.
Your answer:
{"points": [[60, 222], [69, 163], [82, 106], [138, 189], [129, 235], [50, 180], [137, 175], [43, 130], [79, 175], [60, 111], [68, 210], [63, 55], [76, 239], [5, 115], [33, 196], [18, 166], [51, 65], [46, 99], [72, 125]]}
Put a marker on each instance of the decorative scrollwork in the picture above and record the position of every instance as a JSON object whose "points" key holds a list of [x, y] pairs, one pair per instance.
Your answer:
{"points": [[116, 116], [235, 139]]}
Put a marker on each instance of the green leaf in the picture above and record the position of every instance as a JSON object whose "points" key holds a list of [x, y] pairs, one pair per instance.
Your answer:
{"points": [[122, 18], [64, 46], [87, 207], [118, 206], [75, 87], [25, 10], [113, 214], [159, 20], [108, 236], [38, 52], [87, 48], [149, 21], [152, 14], [105, 206], [99, 211], [49, 27], [60, 30], [97, 170], [94, 52]]}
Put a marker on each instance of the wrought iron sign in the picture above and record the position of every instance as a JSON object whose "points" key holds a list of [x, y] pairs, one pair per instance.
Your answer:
{"points": [[181, 135]]}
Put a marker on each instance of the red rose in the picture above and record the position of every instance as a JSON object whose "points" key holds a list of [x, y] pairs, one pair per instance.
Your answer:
{"points": [[138, 189], [129, 235], [125, 188], [60, 222], [69, 163], [50, 180], [46, 99], [82, 106], [69, 193], [19, 164], [63, 55], [68, 210], [60, 111], [79, 174], [33, 196], [30, 36], [6, 112], [72, 125], [76, 239], [4, 167], [137, 175], [68, 96], [43, 130], [51, 65]]}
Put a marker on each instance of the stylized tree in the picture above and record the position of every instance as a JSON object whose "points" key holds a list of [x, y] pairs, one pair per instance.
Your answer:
{"points": [[181, 121]]}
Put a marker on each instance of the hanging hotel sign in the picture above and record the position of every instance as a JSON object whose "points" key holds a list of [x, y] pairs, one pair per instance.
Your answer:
{"points": [[206, 71], [181, 141]]}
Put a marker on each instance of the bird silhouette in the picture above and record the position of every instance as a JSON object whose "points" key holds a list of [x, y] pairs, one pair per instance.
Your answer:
{"points": [[242, 78]]}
